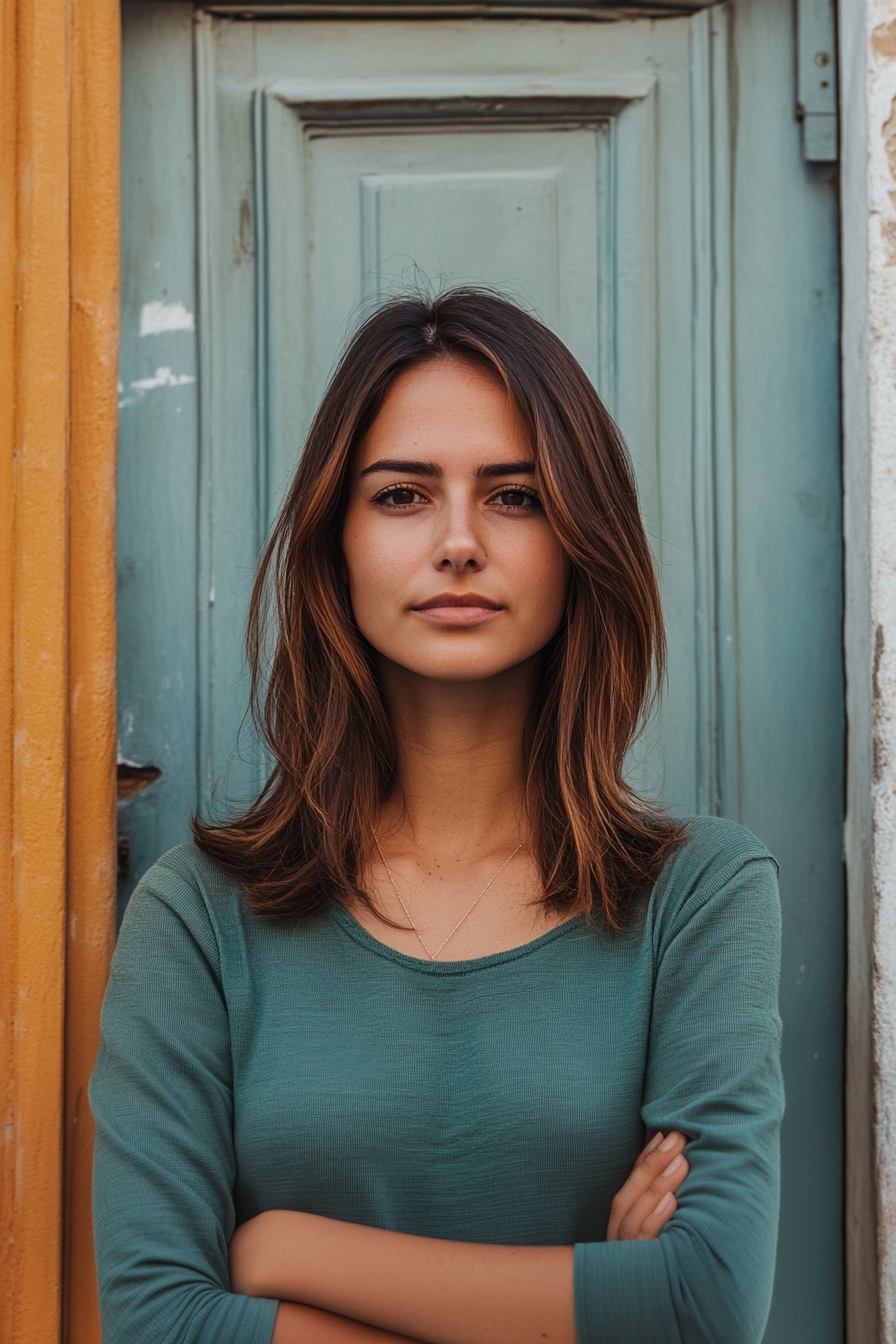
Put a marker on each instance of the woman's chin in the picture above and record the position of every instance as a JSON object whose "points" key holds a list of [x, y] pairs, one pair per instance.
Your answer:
{"points": [[459, 669]]}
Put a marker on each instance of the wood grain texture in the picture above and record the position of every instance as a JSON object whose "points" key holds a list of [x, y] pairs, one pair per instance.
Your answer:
{"points": [[90, 923], [58, 260], [36, 682], [157, 483], [8, 276]]}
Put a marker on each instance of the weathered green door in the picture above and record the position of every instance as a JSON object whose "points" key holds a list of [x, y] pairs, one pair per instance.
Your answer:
{"points": [[639, 184]]}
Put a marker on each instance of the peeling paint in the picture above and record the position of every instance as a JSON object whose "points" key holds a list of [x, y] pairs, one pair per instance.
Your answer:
{"points": [[883, 40], [878, 743], [162, 378], [889, 133], [158, 316], [244, 246]]}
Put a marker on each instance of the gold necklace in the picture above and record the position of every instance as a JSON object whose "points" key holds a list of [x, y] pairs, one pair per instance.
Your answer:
{"points": [[432, 955]]}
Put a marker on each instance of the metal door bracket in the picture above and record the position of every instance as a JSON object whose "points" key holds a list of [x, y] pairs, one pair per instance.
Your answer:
{"points": [[817, 79]]}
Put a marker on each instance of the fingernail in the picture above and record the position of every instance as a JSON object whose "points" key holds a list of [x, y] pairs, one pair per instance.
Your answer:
{"points": [[669, 1142], [665, 1202], [657, 1138], [673, 1165]]}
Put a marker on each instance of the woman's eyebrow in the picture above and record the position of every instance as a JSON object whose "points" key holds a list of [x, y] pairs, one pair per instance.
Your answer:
{"points": [[523, 468], [492, 469], [402, 464]]}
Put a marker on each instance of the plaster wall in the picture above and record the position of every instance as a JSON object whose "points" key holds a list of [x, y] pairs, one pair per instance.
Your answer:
{"points": [[881, 163], [868, 63]]}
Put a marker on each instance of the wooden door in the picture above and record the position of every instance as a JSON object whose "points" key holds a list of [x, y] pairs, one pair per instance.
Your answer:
{"points": [[637, 184]]}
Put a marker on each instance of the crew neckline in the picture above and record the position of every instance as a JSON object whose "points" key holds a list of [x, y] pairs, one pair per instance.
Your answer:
{"points": [[360, 935]]}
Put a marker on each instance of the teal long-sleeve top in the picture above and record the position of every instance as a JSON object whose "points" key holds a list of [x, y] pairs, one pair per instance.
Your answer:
{"points": [[247, 1066]]}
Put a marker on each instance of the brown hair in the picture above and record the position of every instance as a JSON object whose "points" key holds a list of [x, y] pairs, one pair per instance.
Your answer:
{"points": [[319, 705]]}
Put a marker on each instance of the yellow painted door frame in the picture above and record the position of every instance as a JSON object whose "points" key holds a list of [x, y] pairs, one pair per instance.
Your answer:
{"points": [[59, 249]]}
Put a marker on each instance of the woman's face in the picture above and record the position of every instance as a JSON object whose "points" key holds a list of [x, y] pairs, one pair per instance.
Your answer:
{"points": [[454, 570]]}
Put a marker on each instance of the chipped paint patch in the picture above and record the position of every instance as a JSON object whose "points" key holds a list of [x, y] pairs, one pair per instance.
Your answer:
{"points": [[883, 40], [888, 131], [162, 378], [158, 316]]}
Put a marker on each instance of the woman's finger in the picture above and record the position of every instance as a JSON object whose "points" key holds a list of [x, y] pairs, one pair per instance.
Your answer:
{"points": [[654, 1223], [649, 1147], [649, 1166], [631, 1226]]}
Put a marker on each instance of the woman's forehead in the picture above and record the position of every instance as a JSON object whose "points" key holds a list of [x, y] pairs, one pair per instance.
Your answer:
{"points": [[447, 413]]}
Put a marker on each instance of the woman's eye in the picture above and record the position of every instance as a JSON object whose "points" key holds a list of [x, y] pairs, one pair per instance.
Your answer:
{"points": [[399, 496], [515, 497]]}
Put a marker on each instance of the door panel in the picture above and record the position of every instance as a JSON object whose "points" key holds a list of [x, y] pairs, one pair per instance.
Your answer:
{"points": [[536, 178], [504, 221], [639, 186], [422, 209]]}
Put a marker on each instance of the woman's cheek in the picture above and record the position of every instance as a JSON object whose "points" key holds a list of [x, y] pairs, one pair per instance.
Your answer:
{"points": [[379, 601], [543, 580]]}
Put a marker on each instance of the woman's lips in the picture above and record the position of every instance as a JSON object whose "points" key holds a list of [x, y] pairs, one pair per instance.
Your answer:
{"points": [[451, 609]]}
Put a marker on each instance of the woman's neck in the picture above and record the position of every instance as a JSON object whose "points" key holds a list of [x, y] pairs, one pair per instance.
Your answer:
{"points": [[461, 760]]}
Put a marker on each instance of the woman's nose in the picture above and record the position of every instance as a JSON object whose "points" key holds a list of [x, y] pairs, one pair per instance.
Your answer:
{"points": [[459, 547]]}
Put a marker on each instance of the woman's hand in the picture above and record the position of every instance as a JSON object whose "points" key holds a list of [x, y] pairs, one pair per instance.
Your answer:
{"points": [[646, 1202]]}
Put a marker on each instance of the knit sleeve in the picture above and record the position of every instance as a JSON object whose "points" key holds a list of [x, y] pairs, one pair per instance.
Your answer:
{"points": [[714, 1075], [164, 1165]]}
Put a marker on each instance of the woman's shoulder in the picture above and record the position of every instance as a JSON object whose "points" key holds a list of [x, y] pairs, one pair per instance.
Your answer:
{"points": [[184, 872], [186, 887], [186, 864], [720, 866], [714, 845]]}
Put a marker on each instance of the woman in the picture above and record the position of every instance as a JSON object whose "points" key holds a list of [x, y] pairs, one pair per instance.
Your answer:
{"points": [[393, 1038]]}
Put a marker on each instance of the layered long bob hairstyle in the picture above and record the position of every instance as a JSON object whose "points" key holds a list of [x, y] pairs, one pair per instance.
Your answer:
{"points": [[317, 697]]}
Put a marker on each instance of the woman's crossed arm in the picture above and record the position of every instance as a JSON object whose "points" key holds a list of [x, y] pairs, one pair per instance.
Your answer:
{"points": [[341, 1283]]}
